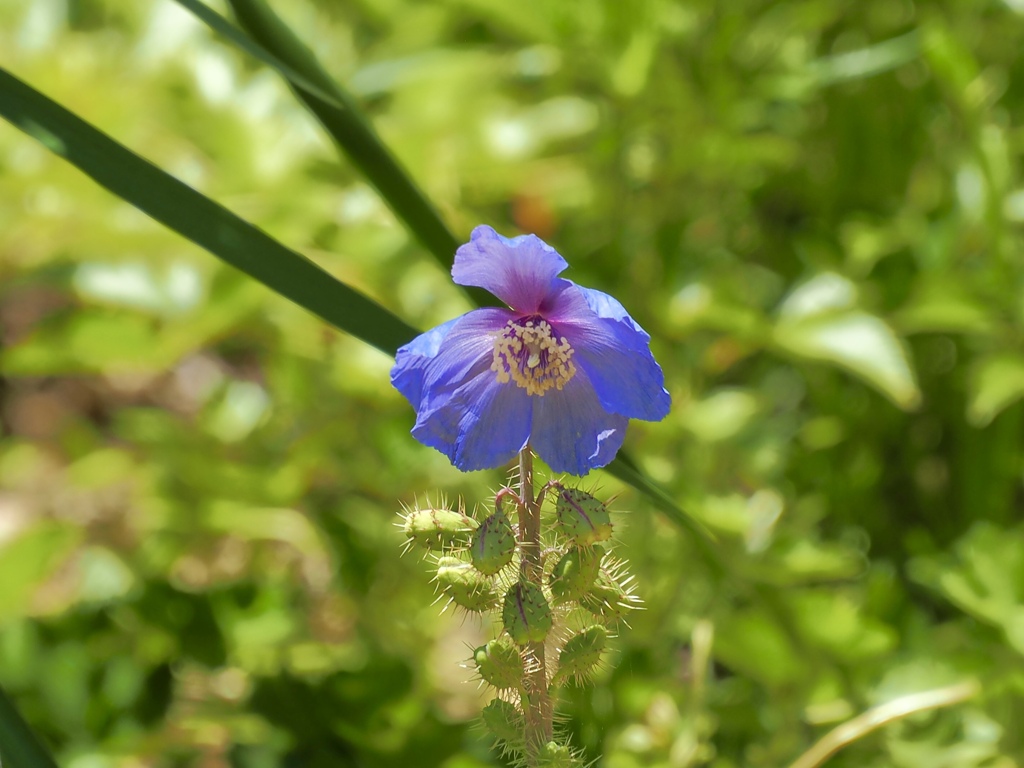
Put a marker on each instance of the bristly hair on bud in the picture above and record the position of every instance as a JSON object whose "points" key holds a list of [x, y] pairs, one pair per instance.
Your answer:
{"points": [[505, 722], [436, 527], [526, 614], [581, 518], [493, 544], [612, 596], [464, 585], [575, 573], [555, 755], [499, 664], [581, 654]]}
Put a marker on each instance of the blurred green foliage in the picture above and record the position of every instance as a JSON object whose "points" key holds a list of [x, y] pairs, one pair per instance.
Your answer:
{"points": [[816, 209]]}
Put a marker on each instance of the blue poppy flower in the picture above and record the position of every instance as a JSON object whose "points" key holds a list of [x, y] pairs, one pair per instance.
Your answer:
{"points": [[562, 369]]}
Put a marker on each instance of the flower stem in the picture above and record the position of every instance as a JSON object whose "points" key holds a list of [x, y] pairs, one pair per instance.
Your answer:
{"points": [[536, 700]]}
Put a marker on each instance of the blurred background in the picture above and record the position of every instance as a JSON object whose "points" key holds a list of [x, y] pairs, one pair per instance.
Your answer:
{"points": [[816, 209]]}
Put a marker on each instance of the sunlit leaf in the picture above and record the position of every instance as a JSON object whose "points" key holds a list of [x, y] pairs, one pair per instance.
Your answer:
{"points": [[952, 62], [823, 293], [28, 560], [869, 61], [944, 306], [995, 383], [862, 344], [267, 524], [984, 577], [837, 623]]}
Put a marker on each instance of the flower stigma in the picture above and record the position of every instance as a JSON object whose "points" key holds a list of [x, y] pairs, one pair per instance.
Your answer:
{"points": [[527, 352]]}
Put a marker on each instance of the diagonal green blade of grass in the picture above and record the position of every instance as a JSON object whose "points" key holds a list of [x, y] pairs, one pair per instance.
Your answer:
{"points": [[198, 218], [321, 89], [19, 747], [625, 470], [272, 42]]}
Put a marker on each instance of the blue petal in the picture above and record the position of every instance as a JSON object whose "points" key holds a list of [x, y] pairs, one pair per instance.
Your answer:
{"points": [[462, 410], [411, 361], [482, 424], [614, 351], [572, 432], [465, 352], [609, 307], [520, 270]]}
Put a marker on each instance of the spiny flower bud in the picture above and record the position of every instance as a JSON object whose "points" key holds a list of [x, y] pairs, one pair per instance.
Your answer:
{"points": [[499, 664], [493, 544], [575, 572], [437, 528], [582, 652], [465, 585], [555, 755], [526, 614], [504, 721], [582, 518], [608, 599]]}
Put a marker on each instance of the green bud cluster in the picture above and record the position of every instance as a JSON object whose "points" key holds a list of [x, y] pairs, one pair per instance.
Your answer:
{"points": [[563, 605]]}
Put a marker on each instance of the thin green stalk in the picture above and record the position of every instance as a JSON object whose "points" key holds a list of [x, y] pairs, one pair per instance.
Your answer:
{"points": [[352, 132], [537, 706], [848, 732], [198, 218], [19, 747]]}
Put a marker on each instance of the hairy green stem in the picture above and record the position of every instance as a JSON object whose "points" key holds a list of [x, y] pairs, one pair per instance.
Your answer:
{"points": [[536, 701]]}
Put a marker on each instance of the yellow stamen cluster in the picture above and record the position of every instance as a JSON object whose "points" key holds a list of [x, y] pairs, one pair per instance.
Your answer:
{"points": [[529, 354]]}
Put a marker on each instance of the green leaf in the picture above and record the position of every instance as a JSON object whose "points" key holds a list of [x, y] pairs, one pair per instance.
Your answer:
{"points": [[18, 744], [996, 383], [30, 559], [198, 218], [825, 292], [859, 342], [985, 577], [318, 86], [951, 61], [944, 305], [840, 624], [869, 61]]}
